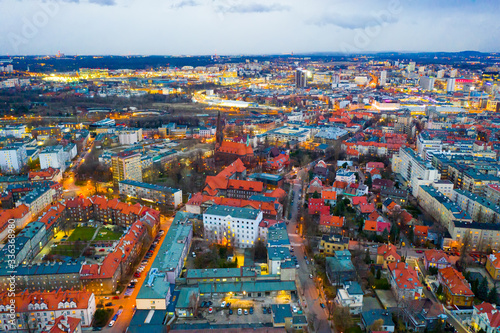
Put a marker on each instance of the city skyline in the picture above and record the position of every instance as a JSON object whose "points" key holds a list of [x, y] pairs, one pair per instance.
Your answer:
{"points": [[196, 27]]}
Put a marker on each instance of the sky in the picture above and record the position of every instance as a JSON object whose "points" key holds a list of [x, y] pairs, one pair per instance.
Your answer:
{"points": [[226, 27]]}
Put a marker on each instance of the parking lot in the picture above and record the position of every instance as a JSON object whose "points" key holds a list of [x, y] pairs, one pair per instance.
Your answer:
{"points": [[222, 316]]}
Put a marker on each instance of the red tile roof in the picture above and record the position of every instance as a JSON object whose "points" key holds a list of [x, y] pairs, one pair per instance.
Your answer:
{"points": [[455, 282], [405, 277], [388, 250], [332, 221]]}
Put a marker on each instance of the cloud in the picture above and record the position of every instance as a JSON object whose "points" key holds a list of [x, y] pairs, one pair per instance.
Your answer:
{"points": [[252, 8], [103, 2], [184, 3], [353, 22]]}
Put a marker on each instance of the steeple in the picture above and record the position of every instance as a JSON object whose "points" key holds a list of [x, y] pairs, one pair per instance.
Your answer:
{"points": [[219, 134]]}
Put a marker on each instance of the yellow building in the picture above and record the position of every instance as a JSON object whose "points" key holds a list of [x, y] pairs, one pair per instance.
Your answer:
{"points": [[493, 266], [456, 289], [331, 243], [387, 254]]}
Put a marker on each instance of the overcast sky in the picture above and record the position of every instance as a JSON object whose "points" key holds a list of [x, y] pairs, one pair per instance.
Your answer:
{"points": [[174, 27]]}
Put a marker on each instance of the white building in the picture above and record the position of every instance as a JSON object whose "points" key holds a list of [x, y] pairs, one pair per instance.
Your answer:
{"points": [[426, 83], [345, 176], [238, 227], [17, 131], [383, 78], [130, 136], [53, 157], [413, 169], [450, 85], [350, 296], [13, 158]]}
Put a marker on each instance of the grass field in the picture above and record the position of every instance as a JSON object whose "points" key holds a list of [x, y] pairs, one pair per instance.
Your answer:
{"points": [[106, 234], [82, 233], [65, 250]]}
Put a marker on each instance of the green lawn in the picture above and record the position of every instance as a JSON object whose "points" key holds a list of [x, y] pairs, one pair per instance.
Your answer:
{"points": [[65, 250], [106, 234], [81, 233]]}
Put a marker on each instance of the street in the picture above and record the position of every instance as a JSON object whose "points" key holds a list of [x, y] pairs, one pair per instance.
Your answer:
{"points": [[128, 304], [306, 287]]}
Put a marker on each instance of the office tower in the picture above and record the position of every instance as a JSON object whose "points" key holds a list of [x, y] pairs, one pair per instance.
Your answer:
{"points": [[383, 78], [421, 69], [426, 82], [440, 74], [335, 80], [13, 158], [453, 73], [450, 85], [126, 165], [411, 66], [300, 78]]}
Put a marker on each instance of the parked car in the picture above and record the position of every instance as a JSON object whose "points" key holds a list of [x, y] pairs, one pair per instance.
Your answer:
{"points": [[108, 304], [223, 304], [111, 323], [264, 310], [240, 312], [251, 310], [210, 310], [116, 297], [246, 311], [269, 310], [202, 305], [209, 303], [294, 309], [228, 305], [230, 311], [310, 276], [322, 305]]}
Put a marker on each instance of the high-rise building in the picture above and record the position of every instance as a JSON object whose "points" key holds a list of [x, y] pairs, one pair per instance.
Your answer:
{"points": [[450, 85], [411, 66], [453, 73], [440, 74], [383, 78], [126, 165], [300, 78], [13, 158], [426, 82]]}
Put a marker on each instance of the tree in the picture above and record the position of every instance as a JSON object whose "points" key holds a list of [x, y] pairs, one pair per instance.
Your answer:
{"points": [[377, 325], [260, 250], [193, 303], [482, 290], [464, 252], [316, 195], [439, 290], [493, 296], [368, 180], [368, 259], [379, 274], [385, 235], [342, 318]]}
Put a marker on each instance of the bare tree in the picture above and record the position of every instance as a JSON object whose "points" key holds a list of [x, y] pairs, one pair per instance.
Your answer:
{"points": [[193, 303]]}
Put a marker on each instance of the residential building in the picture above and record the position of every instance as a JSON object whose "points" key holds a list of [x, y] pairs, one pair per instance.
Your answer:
{"points": [[53, 157], [493, 266], [479, 208], [404, 280], [229, 225], [13, 158], [344, 175], [129, 136], [331, 224], [351, 297], [276, 256], [424, 314], [331, 243], [387, 254], [37, 310], [282, 316], [436, 258], [185, 307], [339, 268], [126, 165], [371, 316], [492, 192], [16, 131], [485, 317], [151, 192], [455, 287]]}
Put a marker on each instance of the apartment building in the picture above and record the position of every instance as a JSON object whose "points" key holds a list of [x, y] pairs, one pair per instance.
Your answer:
{"points": [[238, 227], [13, 158], [37, 311], [129, 136], [126, 165], [492, 192], [456, 288], [413, 169], [151, 192], [479, 208], [441, 207]]}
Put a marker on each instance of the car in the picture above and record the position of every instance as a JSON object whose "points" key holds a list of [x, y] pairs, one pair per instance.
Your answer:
{"points": [[111, 323], [116, 297], [251, 310], [269, 310], [134, 281], [228, 305], [210, 310], [245, 312], [297, 266], [419, 251], [106, 297], [194, 254], [294, 309], [97, 329], [230, 311], [202, 305], [240, 312], [101, 250], [108, 304], [305, 257], [223, 304], [209, 303], [264, 310], [53, 245], [310, 276], [307, 262], [322, 305], [137, 275]]}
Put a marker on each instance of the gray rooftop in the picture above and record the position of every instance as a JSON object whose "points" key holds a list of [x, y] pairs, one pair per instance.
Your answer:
{"points": [[235, 212]]}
